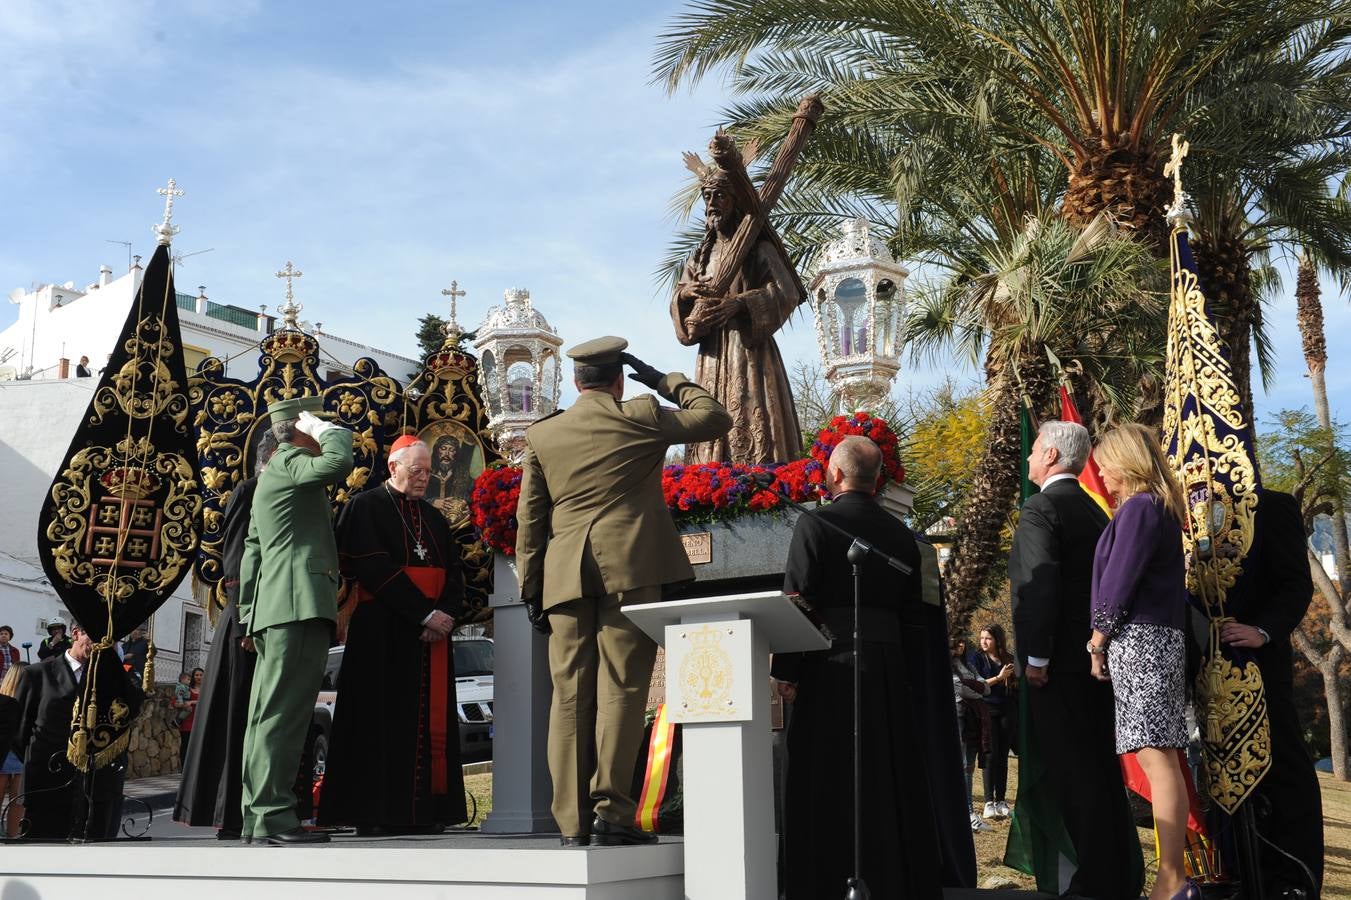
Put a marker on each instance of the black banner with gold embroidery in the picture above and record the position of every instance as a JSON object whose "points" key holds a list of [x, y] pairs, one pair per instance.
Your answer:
{"points": [[1208, 441], [119, 528]]}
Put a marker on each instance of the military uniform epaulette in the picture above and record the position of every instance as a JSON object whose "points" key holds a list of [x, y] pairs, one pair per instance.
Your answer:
{"points": [[557, 412], [648, 399]]}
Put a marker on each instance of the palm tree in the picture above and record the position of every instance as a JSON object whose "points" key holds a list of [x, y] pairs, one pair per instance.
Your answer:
{"points": [[1055, 292], [1270, 138], [1106, 82], [1327, 661], [1016, 285]]}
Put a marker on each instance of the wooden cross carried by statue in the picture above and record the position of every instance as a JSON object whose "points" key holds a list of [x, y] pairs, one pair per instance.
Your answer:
{"points": [[737, 289]]}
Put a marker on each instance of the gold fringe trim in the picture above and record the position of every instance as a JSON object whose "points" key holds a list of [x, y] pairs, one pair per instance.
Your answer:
{"points": [[79, 758]]}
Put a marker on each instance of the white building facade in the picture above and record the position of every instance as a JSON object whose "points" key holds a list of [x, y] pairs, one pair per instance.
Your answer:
{"points": [[41, 406]]}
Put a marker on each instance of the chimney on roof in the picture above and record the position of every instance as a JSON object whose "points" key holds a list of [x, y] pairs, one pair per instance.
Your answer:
{"points": [[201, 299], [105, 275]]}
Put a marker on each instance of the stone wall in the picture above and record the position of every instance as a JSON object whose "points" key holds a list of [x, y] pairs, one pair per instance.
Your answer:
{"points": [[154, 737]]}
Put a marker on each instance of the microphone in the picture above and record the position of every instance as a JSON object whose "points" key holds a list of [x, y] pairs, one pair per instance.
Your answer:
{"points": [[763, 480]]}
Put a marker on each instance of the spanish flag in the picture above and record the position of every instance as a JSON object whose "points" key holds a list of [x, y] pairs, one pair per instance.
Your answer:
{"points": [[1091, 477]]}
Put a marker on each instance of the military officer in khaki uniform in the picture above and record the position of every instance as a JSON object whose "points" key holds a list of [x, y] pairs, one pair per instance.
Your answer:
{"points": [[288, 603], [595, 534]]}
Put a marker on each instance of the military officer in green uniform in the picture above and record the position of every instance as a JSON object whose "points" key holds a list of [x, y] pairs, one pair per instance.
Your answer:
{"points": [[288, 584], [595, 534]]}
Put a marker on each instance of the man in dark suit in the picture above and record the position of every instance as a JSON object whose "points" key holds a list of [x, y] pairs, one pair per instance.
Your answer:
{"points": [[54, 791], [1288, 804], [1070, 715], [903, 851]]}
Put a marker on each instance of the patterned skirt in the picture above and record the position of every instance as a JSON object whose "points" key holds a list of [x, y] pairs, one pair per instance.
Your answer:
{"points": [[1148, 667]]}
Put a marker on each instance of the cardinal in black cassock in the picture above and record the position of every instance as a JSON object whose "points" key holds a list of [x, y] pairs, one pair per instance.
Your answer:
{"points": [[394, 759], [211, 790], [907, 847]]}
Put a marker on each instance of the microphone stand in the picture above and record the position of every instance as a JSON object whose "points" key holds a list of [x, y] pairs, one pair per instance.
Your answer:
{"points": [[859, 550]]}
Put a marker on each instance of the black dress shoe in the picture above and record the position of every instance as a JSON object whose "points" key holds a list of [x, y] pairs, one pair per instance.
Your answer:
{"points": [[575, 840], [225, 834], [608, 834], [295, 836]]}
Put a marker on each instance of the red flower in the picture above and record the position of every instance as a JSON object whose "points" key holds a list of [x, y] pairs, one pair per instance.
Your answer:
{"points": [[869, 426], [492, 506]]}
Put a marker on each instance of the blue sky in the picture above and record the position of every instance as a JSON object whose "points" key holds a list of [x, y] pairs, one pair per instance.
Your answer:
{"points": [[385, 151]]}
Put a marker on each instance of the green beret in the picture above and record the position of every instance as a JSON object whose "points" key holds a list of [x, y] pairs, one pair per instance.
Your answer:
{"points": [[602, 351], [289, 410]]}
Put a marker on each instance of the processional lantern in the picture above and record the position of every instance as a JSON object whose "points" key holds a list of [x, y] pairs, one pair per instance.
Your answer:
{"points": [[858, 298], [519, 359]]}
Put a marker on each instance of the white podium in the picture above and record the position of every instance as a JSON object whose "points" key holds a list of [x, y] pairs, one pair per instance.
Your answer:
{"points": [[717, 687]]}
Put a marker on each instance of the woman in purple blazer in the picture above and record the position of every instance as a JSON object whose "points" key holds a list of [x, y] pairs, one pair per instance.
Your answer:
{"points": [[1139, 606]]}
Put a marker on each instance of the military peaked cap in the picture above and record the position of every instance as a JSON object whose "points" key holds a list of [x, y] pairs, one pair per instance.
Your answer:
{"points": [[602, 351], [288, 410]]}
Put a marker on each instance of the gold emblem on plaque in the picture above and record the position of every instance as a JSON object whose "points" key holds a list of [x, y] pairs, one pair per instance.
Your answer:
{"points": [[706, 675]]}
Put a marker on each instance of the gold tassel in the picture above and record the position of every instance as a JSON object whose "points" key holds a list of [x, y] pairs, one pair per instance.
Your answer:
{"points": [[148, 673]]}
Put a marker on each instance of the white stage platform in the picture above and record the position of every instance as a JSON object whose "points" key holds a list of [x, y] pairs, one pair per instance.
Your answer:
{"points": [[446, 867]]}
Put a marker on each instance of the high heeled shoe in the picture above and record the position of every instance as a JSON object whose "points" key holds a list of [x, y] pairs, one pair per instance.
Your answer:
{"points": [[1190, 891]]}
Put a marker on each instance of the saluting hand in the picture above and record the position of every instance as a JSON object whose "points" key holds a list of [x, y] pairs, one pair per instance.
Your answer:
{"points": [[642, 373]]}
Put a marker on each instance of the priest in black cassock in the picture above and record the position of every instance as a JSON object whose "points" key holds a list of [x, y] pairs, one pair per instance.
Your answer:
{"points": [[1267, 605], [211, 790], [903, 851], [394, 759]]}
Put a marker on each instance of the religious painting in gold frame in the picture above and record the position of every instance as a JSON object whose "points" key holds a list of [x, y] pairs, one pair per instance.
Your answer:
{"points": [[446, 400], [456, 460]]}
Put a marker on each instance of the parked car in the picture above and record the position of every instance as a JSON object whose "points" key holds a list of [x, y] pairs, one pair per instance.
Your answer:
{"points": [[473, 658]]}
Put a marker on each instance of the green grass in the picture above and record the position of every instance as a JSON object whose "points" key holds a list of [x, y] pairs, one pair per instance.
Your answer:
{"points": [[480, 789], [1336, 835]]}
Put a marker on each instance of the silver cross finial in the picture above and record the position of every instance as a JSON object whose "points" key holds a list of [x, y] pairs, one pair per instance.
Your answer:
{"points": [[453, 329], [290, 311], [166, 230]]}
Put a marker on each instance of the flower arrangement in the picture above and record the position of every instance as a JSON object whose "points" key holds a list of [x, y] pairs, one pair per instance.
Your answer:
{"points": [[716, 491], [709, 492], [492, 505], [869, 426]]}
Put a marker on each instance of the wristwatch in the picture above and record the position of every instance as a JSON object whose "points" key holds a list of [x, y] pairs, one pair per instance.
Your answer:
{"points": [[1096, 650]]}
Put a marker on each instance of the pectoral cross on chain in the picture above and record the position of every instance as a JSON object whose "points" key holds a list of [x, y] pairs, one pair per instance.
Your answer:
{"points": [[421, 551]]}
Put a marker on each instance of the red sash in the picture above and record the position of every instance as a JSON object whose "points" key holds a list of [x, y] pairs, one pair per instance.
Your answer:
{"points": [[430, 580]]}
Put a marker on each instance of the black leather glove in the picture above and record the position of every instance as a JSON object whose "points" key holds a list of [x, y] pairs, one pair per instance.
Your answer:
{"points": [[642, 372], [534, 611]]}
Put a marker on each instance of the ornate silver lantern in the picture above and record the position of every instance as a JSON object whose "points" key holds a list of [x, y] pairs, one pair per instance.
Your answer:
{"points": [[858, 299], [518, 356]]}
